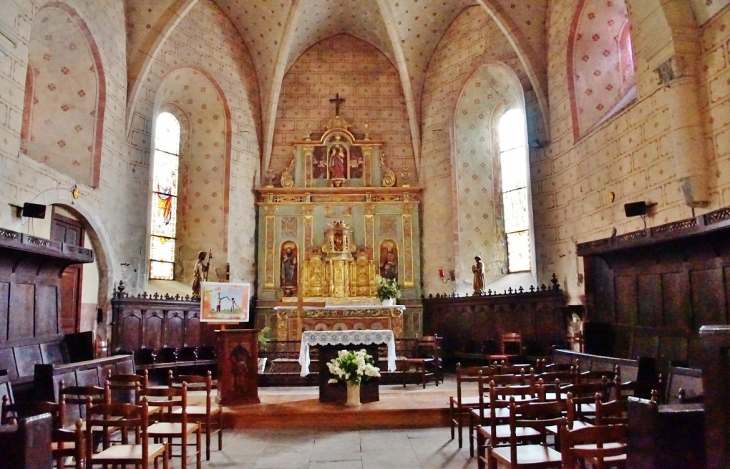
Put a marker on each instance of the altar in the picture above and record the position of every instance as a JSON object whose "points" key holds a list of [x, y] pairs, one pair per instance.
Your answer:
{"points": [[290, 324], [329, 343]]}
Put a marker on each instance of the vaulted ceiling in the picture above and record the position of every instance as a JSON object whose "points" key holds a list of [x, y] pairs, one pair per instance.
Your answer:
{"points": [[277, 32]]}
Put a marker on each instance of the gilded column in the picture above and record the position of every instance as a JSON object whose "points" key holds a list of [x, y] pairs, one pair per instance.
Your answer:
{"points": [[407, 246], [269, 256], [308, 152], [370, 230], [367, 152]]}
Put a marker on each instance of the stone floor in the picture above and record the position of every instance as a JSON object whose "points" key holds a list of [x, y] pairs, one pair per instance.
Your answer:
{"points": [[428, 448]]}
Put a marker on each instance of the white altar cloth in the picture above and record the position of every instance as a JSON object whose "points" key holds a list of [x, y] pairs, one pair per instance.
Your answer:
{"points": [[352, 337]]}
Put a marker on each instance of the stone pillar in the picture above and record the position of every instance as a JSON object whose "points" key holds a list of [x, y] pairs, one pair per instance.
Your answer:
{"points": [[679, 76]]}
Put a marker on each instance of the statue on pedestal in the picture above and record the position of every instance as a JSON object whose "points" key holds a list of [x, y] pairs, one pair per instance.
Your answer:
{"points": [[200, 273], [478, 271]]}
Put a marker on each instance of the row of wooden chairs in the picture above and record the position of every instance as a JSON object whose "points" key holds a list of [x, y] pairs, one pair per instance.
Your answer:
{"points": [[522, 415], [461, 405]]}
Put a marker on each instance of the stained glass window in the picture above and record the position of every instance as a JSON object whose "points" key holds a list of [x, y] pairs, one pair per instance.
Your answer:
{"points": [[513, 160], [164, 197]]}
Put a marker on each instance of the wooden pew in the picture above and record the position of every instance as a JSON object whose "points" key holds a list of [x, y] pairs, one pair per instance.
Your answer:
{"points": [[86, 373], [670, 436], [27, 444]]}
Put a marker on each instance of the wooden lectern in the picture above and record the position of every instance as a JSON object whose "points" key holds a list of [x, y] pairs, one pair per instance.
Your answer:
{"points": [[238, 357]]}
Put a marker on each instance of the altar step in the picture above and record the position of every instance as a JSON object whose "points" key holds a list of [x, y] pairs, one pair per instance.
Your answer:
{"points": [[299, 407]]}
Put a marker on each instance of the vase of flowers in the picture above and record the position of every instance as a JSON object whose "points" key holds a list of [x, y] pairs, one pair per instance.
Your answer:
{"points": [[388, 290], [352, 368]]}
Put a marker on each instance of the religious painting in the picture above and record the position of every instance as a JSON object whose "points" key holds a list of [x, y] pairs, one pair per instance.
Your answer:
{"points": [[389, 259], [319, 163], [356, 162], [223, 302], [289, 268]]}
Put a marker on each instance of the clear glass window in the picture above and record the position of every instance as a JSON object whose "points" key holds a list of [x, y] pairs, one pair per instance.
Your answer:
{"points": [[513, 162]]}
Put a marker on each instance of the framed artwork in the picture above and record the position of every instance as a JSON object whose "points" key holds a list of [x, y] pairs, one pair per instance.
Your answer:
{"points": [[224, 302]]}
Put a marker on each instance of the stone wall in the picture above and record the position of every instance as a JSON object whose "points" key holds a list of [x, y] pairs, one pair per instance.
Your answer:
{"points": [[371, 87], [472, 40], [206, 42], [630, 155], [107, 209]]}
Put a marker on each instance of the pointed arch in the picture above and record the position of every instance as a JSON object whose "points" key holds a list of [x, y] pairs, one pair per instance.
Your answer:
{"points": [[66, 88]]}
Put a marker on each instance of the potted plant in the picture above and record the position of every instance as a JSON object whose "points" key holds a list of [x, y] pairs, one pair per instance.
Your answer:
{"points": [[352, 368], [388, 290]]}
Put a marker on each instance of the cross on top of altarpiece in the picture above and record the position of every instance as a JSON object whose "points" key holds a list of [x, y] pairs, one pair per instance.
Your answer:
{"points": [[337, 101]]}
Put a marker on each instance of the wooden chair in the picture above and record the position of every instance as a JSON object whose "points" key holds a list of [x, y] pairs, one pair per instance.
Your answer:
{"points": [[76, 398], [209, 414], [171, 399], [612, 412], [496, 431], [125, 419], [531, 452], [460, 406], [585, 396], [603, 446], [477, 416], [426, 360], [127, 388], [64, 443]]}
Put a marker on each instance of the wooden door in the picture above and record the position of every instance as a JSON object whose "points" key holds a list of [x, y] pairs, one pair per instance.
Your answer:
{"points": [[69, 231]]}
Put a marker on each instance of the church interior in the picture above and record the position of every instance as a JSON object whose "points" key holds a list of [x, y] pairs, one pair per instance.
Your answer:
{"points": [[217, 197]]}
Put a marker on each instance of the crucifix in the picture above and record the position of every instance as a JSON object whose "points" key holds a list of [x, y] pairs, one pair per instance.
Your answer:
{"points": [[300, 307], [337, 100]]}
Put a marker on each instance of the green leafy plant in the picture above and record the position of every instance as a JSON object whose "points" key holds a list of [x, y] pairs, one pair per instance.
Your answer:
{"points": [[353, 367], [263, 335], [388, 288]]}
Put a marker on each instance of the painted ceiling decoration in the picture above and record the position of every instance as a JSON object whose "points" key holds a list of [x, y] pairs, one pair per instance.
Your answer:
{"points": [[277, 32]]}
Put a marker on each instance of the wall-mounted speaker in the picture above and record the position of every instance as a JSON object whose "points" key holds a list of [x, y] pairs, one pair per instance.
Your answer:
{"points": [[34, 210], [634, 209]]}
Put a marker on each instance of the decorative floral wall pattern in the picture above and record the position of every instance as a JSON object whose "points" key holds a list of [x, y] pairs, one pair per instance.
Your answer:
{"points": [[487, 94], [203, 170], [602, 62], [62, 112], [371, 87]]}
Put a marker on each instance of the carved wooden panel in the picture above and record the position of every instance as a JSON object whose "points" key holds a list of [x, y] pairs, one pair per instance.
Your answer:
{"points": [[46, 299], [131, 331], [467, 323], [174, 329], [153, 330], [708, 297], [668, 281], [626, 302], [21, 301], [676, 300], [650, 300]]}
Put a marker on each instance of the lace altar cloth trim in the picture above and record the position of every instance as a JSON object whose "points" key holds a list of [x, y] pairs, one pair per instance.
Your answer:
{"points": [[312, 338]]}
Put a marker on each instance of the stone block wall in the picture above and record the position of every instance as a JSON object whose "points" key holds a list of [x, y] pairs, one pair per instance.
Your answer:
{"points": [[206, 41], [371, 87]]}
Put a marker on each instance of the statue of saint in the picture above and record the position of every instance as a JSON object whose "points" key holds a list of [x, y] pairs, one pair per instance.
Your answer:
{"points": [[338, 163], [478, 271], [289, 268], [200, 273]]}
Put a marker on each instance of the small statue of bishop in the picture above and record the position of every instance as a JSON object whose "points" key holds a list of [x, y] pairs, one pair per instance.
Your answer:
{"points": [[200, 273]]}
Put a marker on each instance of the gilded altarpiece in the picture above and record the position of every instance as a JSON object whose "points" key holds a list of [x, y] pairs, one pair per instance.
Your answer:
{"points": [[348, 219]]}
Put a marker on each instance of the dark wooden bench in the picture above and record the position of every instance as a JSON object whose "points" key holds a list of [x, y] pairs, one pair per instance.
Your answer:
{"points": [[668, 436]]}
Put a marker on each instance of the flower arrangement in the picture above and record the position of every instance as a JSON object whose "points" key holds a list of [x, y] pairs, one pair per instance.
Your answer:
{"points": [[353, 367], [388, 288]]}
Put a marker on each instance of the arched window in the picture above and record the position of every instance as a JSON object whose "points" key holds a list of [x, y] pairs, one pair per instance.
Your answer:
{"points": [[164, 197], [513, 162]]}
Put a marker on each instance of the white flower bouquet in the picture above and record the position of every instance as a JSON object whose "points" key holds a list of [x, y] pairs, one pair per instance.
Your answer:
{"points": [[353, 367]]}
